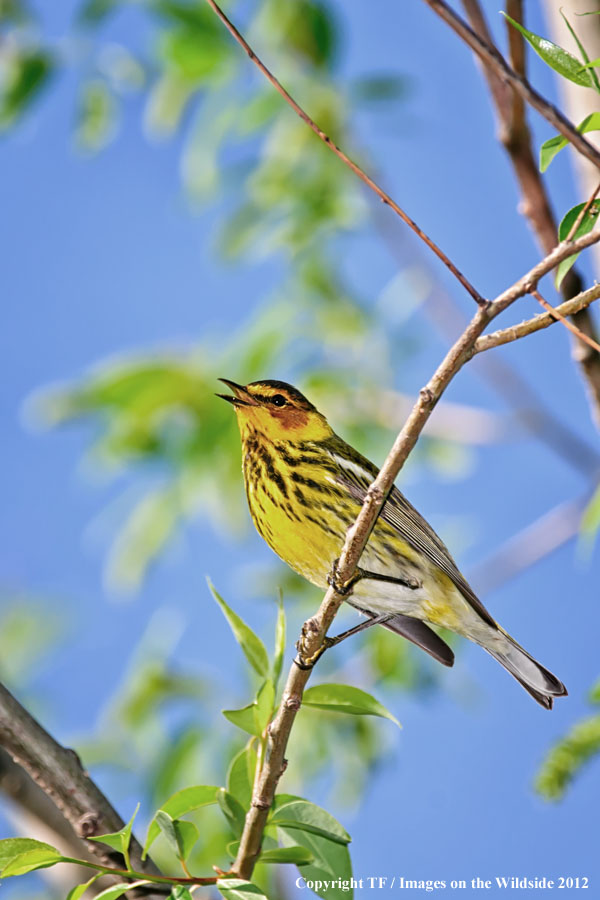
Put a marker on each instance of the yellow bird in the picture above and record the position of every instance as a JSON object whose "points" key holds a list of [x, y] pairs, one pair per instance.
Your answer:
{"points": [[305, 486]]}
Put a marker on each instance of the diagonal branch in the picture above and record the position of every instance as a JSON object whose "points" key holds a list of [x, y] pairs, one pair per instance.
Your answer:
{"points": [[492, 58], [558, 315], [515, 135], [537, 323], [58, 771], [383, 196]]}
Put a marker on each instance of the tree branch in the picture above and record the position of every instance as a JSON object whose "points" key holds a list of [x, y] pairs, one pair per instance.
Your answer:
{"points": [[558, 315], [492, 58], [535, 204], [354, 167], [537, 323], [58, 771]]}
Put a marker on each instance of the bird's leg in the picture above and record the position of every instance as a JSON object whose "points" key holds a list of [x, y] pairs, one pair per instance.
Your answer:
{"points": [[329, 642], [344, 588]]}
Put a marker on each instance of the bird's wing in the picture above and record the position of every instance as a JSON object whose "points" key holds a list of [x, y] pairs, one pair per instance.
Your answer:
{"points": [[410, 525], [418, 633]]}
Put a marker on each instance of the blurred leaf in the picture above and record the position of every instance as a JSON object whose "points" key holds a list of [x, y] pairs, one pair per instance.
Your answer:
{"points": [[240, 776], [232, 810], [194, 59], [253, 647], [554, 56], [237, 889], [590, 521], [554, 145], [584, 227], [27, 73], [179, 892], [347, 699], [179, 804], [568, 757], [94, 12], [181, 836], [145, 533], [380, 88], [95, 117], [306, 816]]}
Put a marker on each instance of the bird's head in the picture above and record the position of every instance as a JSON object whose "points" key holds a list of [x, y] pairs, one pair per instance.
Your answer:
{"points": [[276, 410]]}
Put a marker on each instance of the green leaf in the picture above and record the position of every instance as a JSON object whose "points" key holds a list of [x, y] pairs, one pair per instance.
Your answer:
{"points": [[300, 856], [244, 718], [117, 890], [590, 521], [181, 836], [554, 145], [253, 647], [27, 73], [263, 706], [332, 863], [80, 889], [595, 693], [180, 892], [232, 810], [10, 848], [279, 641], [581, 49], [347, 699], [556, 57], [306, 816], [240, 776], [568, 757], [237, 889], [119, 840], [584, 227], [179, 804], [40, 858]]}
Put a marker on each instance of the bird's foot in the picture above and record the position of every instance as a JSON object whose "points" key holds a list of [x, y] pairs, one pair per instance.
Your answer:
{"points": [[343, 588]]}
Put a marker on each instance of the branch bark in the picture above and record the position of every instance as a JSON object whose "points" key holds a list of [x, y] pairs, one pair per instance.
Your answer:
{"points": [[60, 774], [515, 135], [537, 323], [492, 58]]}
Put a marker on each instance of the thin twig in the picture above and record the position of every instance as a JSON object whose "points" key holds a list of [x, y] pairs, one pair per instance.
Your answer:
{"points": [[383, 196], [491, 57], [537, 323], [556, 313]]}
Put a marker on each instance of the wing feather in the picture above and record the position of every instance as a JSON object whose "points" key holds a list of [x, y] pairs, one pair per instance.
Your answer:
{"points": [[410, 525]]}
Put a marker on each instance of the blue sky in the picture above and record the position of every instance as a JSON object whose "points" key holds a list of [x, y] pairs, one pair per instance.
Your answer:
{"points": [[102, 256]]}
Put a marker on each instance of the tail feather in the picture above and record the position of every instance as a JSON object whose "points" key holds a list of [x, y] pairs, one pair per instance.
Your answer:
{"points": [[537, 680]]}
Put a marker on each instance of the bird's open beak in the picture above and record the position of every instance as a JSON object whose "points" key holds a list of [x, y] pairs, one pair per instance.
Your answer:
{"points": [[242, 396]]}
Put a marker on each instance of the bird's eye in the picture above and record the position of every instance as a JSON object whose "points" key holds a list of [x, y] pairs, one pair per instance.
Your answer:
{"points": [[278, 400]]}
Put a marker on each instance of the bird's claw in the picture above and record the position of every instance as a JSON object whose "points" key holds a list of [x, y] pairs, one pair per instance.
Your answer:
{"points": [[343, 588]]}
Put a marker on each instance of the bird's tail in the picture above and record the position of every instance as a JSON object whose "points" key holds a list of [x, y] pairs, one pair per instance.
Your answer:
{"points": [[537, 681]]}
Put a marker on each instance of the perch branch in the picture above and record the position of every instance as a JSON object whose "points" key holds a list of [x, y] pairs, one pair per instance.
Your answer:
{"points": [[315, 629]]}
